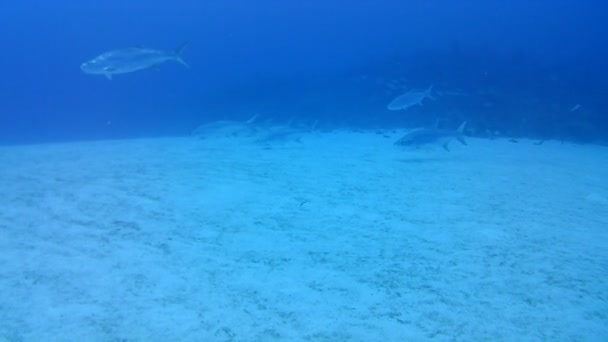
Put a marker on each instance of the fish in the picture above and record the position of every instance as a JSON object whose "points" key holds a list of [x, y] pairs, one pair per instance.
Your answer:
{"points": [[424, 136], [131, 59], [410, 99], [251, 131]]}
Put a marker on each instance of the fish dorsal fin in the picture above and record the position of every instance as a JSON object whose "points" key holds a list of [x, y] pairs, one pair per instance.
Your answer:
{"points": [[460, 129], [429, 92], [460, 133]]}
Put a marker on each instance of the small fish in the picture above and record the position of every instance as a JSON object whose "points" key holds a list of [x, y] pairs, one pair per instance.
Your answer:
{"points": [[425, 136], [409, 99], [575, 107], [130, 59]]}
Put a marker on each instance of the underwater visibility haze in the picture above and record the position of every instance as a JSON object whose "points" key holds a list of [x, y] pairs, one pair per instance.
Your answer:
{"points": [[304, 170], [493, 60]]}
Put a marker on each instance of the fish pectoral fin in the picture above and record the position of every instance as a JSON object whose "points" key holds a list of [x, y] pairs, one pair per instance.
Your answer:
{"points": [[108, 72]]}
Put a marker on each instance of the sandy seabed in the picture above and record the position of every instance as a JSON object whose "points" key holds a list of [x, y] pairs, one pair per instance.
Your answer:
{"points": [[339, 237]]}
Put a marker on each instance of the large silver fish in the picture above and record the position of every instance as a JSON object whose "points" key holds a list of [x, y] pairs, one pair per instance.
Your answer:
{"points": [[130, 59], [409, 99], [424, 136]]}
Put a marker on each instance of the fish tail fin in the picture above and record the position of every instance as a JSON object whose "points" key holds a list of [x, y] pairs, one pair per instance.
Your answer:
{"points": [[177, 53], [460, 133]]}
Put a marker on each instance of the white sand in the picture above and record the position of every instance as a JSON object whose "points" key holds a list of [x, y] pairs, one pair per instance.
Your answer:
{"points": [[341, 237]]}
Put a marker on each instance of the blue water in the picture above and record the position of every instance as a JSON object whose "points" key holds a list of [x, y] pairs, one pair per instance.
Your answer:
{"points": [[326, 60], [268, 201]]}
